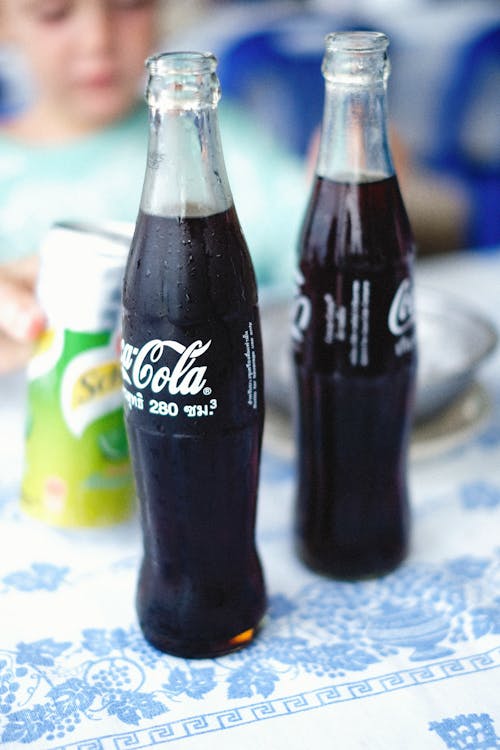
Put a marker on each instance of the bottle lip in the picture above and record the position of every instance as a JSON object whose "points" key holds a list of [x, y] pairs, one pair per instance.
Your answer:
{"points": [[190, 62], [356, 58], [357, 41], [182, 81]]}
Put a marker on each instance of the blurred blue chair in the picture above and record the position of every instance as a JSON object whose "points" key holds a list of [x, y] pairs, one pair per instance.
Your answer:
{"points": [[470, 107], [275, 73]]}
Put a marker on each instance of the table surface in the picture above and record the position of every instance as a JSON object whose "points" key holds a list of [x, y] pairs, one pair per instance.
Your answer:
{"points": [[406, 661]]}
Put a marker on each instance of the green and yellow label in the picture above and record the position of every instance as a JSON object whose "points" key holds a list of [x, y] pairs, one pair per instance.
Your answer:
{"points": [[77, 464]]}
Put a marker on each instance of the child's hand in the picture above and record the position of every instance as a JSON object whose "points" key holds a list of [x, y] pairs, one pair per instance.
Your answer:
{"points": [[21, 319]]}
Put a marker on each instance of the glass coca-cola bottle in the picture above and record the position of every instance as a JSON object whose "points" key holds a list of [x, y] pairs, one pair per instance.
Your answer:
{"points": [[193, 380], [353, 329]]}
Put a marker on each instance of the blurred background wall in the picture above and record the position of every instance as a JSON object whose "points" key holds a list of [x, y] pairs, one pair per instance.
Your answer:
{"points": [[444, 91]]}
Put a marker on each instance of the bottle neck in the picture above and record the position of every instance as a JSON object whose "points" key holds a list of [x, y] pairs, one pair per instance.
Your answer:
{"points": [[185, 174], [354, 145]]}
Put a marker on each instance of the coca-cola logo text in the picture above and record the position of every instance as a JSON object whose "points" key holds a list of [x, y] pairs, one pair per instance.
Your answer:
{"points": [[401, 312], [151, 366], [302, 311]]}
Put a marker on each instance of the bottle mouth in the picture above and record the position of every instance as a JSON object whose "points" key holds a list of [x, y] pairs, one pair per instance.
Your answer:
{"points": [[182, 81], [357, 42], [356, 58], [190, 63]]}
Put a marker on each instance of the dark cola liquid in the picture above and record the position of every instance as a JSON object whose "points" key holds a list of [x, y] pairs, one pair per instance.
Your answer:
{"points": [[355, 362], [195, 443]]}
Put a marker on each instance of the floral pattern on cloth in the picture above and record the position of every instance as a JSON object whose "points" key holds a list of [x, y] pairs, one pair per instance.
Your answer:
{"points": [[463, 732], [421, 613]]}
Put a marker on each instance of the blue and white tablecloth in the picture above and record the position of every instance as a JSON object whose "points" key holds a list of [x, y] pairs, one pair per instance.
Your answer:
{"points": [[411, 660]]}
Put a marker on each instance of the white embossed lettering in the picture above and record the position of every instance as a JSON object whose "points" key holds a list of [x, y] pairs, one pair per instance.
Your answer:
{"points": [[145, 366]]}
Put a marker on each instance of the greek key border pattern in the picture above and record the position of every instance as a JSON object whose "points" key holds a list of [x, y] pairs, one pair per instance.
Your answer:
{"points": [[226, 719]]}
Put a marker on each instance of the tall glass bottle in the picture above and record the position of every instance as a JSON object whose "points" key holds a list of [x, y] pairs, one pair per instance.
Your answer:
{"points": [[193, 381], [353, 330]]}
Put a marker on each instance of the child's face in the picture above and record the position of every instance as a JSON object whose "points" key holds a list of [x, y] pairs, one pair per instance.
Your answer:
{"points": [[87, 56]]}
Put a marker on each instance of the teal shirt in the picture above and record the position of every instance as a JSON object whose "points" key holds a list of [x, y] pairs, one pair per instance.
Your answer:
{"points": [[99, 178]]}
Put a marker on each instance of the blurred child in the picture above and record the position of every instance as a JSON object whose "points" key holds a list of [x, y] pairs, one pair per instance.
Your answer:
{"points": [[78, 150]]}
